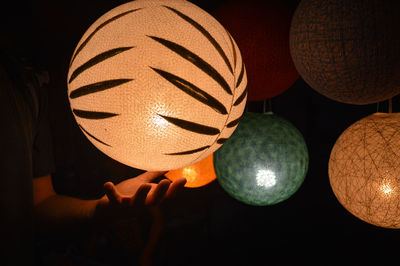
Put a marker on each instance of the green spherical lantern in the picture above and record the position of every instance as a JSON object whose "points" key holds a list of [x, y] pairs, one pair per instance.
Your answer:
{"points": [[264, 162]]}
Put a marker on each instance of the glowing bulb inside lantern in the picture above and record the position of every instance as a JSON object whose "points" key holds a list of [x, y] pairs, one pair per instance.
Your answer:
{"points": [[190, 174], [156, 125], [159, 121], [386, 188], [265, 178], [197, 175]]}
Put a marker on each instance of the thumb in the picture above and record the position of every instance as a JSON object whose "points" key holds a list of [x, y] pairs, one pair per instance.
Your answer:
{"points": [[111, 192], [149, 176]]}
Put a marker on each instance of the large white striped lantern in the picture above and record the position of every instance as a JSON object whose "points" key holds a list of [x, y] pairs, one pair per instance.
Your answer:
{"points": [[157, 85]]}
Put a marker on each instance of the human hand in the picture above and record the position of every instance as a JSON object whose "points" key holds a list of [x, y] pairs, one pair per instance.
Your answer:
{"points": [[133, 195]]}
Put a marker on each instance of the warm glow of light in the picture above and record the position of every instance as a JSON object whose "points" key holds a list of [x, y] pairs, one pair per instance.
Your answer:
{"points": [[141, 97], [190, 174], [386, 189], [159, 121], [157, 125], [265, 178], [197, 175], [364, 169]]}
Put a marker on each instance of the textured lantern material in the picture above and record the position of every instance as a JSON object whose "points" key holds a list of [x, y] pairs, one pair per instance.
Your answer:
{"points": [[264, 162], [348, 50], [261, 29], [197, 175], [157, 85], [364, 169]]}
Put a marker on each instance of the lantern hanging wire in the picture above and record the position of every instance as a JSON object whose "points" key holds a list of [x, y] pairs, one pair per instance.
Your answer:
{"points": [[390, 106], [267, 106]]}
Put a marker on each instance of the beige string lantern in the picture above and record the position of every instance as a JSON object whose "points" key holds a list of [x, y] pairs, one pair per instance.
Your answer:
{"points": [[157, 85], [364, 169]]}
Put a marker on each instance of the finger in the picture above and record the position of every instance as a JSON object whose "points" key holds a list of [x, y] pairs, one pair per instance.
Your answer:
{"points": [[175, 187], [149, 176], [112, 193], [138, 201], [158, 193], [126, 201]]}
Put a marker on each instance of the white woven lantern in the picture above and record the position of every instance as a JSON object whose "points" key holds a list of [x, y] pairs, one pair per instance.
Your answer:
{"points": [[364, 169], [157, 85]]}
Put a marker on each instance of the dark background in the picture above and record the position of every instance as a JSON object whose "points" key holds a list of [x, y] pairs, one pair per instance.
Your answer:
{"points": [[202, 226]]}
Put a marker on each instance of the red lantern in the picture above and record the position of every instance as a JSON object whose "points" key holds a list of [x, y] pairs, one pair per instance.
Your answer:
{"points": [[261, 30]]}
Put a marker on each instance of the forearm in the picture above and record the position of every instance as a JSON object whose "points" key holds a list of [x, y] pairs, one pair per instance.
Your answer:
{"points": [[58, 210], [55, 210]]}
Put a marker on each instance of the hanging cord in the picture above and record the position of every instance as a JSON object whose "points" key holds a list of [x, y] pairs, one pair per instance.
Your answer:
{"points": [[270, 105], [390, 106], [269, 110], [264, 106]]}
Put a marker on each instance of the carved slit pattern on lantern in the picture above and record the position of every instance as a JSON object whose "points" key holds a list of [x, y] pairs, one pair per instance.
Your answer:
{"points": [[193, 91], [84, 43], [96, 87], [240, 76], [234, 122], [189, 152], [240, 99], [92, 114], [196, 60], [96, 60], [93, 137], [196, 92], [222, 140], [191, 126], [233, 48], [206, 34], [242, 96]]}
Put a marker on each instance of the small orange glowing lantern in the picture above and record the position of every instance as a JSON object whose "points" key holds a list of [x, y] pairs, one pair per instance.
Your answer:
{"points": [[157, 84], [197, 175]]}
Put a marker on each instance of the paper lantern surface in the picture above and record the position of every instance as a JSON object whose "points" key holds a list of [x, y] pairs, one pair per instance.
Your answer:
{"points": [[261, 29], [348, 50], [364, 169], [264, 162], [157, 85], [197, 175]]}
